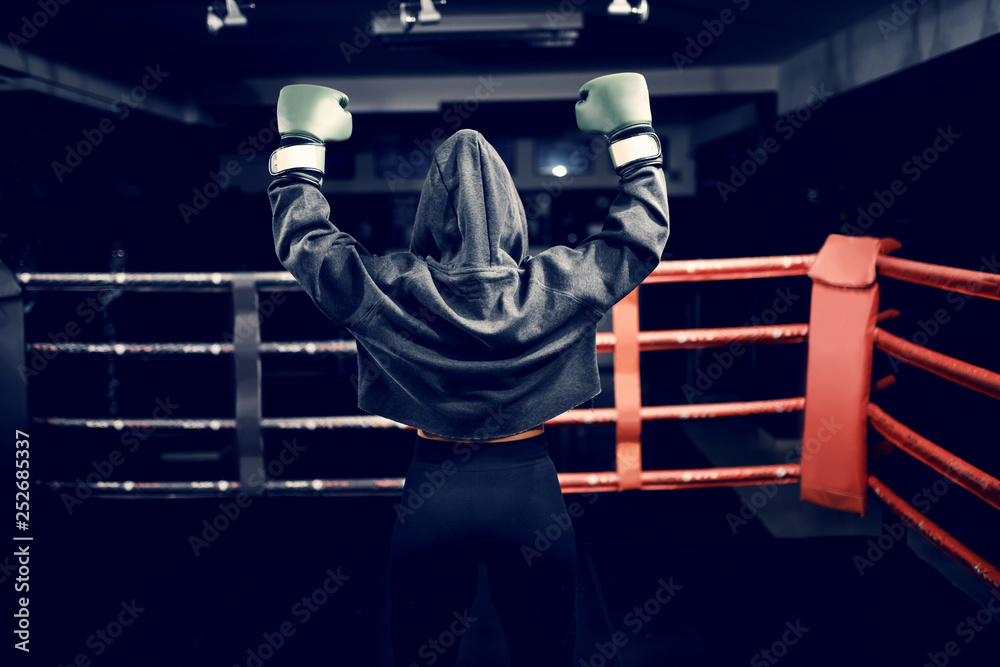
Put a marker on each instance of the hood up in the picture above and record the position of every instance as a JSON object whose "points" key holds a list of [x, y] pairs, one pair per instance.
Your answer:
{"points": [[469, 215]]}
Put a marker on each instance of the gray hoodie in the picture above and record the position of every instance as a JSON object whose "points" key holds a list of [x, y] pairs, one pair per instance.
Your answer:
{"points": [[467, 336]]}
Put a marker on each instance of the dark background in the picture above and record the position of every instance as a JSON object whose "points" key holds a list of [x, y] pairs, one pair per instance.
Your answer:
{"points": [[118, 211]]}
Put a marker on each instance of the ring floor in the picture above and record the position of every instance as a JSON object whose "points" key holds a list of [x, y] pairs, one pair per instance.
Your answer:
{"points": [[734, 596]]}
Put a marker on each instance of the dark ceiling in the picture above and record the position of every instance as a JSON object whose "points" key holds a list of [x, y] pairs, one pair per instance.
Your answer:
{"points": [[117, 39]]}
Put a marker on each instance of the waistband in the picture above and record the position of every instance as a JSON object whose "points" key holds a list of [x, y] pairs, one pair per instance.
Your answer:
{"points": [[482, 455]]}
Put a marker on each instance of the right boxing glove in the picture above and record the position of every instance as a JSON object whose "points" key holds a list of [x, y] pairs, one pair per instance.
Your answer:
{"points": [[308, 117], [617, 106]]}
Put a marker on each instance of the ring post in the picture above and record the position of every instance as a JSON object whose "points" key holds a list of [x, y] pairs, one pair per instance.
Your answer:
{"points": [[842, 318], [628, 392], [246, 343], [13, 384]]}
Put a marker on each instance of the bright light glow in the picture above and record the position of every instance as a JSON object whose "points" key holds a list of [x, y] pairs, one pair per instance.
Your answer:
{"points": [[232, 17], [427, 13], [233, 14], [559, 171], [620, 7], [213, 22]]}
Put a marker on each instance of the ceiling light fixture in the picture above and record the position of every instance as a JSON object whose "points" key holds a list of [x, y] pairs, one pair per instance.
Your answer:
{"points": [[231, 17], [626, 8], [427, 14], [538, 29]]}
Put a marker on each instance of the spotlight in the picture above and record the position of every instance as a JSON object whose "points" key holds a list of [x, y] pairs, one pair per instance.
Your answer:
{"points": [[427, 13], [213, 21], [537, 28], [234, 16], [626, 8]]}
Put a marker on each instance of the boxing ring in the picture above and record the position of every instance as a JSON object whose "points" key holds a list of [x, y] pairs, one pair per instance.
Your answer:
{"points": [[843, 332]]}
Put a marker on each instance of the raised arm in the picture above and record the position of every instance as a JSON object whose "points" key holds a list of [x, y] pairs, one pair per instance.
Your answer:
{"points": [[330, 265], [606, 266]]}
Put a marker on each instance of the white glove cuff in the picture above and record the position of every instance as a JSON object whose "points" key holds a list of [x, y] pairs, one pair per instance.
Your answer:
{"points": [[304, 157], [634, 149]]}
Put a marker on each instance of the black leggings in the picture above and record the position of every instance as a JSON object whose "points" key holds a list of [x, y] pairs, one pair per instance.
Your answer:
{"points": [[494, 503]]}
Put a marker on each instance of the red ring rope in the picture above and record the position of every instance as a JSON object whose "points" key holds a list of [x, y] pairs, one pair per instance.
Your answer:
{"points": [[957, 551], [973, 283], [947, 367], [954, 468]]}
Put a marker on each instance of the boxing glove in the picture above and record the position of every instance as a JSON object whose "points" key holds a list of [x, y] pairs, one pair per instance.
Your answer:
{"points": [[617, 106], [308, 117]]}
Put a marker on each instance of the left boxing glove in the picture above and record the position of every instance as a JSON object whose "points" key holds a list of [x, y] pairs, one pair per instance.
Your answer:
{"points": [[308, 117], [617, 106]]}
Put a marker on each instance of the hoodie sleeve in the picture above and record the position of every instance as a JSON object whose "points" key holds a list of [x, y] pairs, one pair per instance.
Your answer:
{"points": [[606, 266], [334, 269]]}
